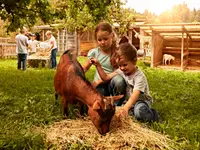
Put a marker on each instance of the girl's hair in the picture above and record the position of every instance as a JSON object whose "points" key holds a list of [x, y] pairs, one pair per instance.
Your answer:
{"points": [[104, 26], [128, 51]]}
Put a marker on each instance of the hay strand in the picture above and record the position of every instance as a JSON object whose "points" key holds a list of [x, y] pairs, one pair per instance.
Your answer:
{"points": [[123, 135]]}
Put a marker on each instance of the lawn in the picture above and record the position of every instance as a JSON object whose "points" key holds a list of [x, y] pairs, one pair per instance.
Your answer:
{"points": [[27, 100]]}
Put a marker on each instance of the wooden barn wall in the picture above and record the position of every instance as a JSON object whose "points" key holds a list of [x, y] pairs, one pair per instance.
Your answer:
{"points": [[87, 42], [157, 44], [135, 41], [194, 60], [195, 44], [177, 43], [175, 50], [86, 46]]}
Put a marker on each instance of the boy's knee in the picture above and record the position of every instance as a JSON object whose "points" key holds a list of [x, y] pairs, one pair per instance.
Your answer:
{"points": [[143, 112], [140, 110]]}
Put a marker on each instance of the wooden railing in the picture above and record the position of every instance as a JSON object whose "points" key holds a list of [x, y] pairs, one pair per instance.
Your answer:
{"points": [[7, 50]]}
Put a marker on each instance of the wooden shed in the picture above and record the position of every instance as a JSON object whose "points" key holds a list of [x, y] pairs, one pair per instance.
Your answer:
{"points": [[81, 42], [65, 39], [86, 42], [179, 40]]}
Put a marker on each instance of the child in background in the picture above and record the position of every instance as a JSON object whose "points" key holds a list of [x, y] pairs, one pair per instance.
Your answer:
{"points": [[105, 53], [53, 48], [138, 102], [33, 44]]}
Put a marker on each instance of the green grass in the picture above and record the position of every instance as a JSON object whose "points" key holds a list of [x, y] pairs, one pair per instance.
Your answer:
{"points": [[27, 100]]}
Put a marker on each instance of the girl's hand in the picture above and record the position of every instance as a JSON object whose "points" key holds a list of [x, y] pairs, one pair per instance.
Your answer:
{"points": [[123, 113], [94, 61]]}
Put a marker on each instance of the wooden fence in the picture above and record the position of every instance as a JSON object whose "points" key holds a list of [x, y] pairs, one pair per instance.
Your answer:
{"points": [[67, 40], [7, 50]]}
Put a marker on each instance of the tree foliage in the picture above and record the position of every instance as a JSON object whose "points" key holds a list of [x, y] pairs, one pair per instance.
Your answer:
{"points": [[179, 14], [72, 14], [24, 12], [83, 14], [123, 17]]}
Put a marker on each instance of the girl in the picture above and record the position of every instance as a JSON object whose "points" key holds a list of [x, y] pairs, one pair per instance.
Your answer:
{"points": [[138, 101], [105, 53], [53, 48], [33, 44]]}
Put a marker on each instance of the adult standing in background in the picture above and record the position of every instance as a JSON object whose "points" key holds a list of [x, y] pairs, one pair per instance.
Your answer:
{"points": [[21, 48], [53, 48]]}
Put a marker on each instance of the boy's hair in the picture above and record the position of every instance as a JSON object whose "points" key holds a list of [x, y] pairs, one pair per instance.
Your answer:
{"points": [[128, 51], [104, 26]]}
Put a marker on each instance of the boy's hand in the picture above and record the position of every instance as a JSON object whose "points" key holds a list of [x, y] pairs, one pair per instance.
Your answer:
{"points": [[123, 113]]}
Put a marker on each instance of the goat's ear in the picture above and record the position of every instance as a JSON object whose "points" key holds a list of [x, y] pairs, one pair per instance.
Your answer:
{"points": [[96, 105], [117, 97], [114, 98]]}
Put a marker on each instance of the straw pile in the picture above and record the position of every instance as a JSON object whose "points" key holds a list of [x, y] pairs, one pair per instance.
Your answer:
{"points": [[123, 135]]}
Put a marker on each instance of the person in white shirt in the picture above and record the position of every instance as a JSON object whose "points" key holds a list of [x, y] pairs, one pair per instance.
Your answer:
{"points": [[53, 48], [33, 43], [21, 48]]}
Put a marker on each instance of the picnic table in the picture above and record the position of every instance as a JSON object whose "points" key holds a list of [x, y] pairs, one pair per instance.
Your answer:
{"points": [[39, 60]]}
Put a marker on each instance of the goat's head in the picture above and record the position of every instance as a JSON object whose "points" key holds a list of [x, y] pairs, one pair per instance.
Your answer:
{"points": [[102, 112]]}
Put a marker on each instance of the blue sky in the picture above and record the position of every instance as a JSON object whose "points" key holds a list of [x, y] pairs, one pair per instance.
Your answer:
{"points": [[159, 6]]}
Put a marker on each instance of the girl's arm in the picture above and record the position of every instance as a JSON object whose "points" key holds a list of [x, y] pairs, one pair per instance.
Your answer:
{"points": [[103, 75], [86, 65], [52, 42]]}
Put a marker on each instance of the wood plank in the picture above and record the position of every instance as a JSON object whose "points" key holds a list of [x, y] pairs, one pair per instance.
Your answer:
{"points": [[182, 51], [179, 52], [178, 48], [185, 54], [157, 44]]}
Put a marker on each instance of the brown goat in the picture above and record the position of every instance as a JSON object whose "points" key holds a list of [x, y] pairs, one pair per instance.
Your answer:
{"points": [[70, 83]]}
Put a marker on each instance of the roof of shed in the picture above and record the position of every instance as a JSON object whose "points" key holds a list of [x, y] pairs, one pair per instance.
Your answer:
{"points": [[174, 30]]}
